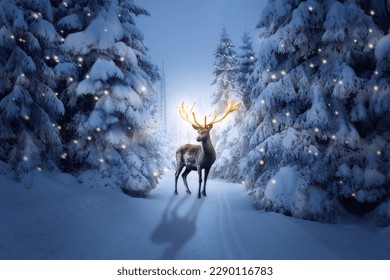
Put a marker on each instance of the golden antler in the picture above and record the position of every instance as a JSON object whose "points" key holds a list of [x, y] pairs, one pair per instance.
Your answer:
{"points": [[230, 107], [185, 113]]}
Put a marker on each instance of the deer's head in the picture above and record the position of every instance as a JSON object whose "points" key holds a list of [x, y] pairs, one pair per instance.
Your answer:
{"points": [[203, 133], [204, 129]]}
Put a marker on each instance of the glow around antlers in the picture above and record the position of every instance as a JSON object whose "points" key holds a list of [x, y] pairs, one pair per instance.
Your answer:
{"points": [[186, 111]]}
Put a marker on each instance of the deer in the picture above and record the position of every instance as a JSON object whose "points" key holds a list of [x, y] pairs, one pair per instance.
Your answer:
{"points": [[198, 157]]}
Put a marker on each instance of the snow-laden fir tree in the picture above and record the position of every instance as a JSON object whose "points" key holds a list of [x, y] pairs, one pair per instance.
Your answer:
{"points": [[360, 170], [309, 142], [109, 87], [377, 155], [29, 107], [245, 67], [226, 165], [225, 69]]}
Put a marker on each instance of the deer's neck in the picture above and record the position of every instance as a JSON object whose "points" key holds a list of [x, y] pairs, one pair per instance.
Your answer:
{"points": [[208, 149]]}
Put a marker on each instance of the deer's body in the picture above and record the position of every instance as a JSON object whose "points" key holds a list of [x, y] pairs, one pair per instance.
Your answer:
{"points": [[198, 157], [195, 157], [188, 155]]}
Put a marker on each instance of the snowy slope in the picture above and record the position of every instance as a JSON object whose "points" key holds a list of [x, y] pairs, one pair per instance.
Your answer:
{"points": [[58, 218]]}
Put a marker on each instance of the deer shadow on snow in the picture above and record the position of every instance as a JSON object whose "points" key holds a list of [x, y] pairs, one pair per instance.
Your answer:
{"points": [[177, 226]]}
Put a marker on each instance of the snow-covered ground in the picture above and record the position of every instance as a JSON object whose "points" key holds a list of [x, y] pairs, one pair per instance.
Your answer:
{"points": [[58, 218]]}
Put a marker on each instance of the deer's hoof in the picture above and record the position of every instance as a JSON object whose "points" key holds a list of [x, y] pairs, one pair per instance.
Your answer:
{"points": [[204, 193], [199, 196], [175, 192], [189, 192]]}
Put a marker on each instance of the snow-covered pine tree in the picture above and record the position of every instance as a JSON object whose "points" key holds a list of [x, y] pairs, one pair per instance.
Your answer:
{"points": [[277, 147], [226, 165], [225, 69], [377, 155], [362, 183], [28, 105], [309, 100], [164, 135], [245, 68], [109, 87]]}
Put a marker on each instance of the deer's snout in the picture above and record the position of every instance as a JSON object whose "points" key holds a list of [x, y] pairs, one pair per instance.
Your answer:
{"points": [[198, 139]]}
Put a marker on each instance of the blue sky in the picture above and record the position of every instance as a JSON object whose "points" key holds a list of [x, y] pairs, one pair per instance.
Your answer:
{"points": [[184, 34]]}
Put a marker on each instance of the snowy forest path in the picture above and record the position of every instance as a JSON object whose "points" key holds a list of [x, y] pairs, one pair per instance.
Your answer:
{"points": [[227, 229], [57, 218]]}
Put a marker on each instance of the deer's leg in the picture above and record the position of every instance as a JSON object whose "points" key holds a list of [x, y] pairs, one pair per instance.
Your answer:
{"points": [[179, 168], [206, 174], [200, 181], [184, 175]]}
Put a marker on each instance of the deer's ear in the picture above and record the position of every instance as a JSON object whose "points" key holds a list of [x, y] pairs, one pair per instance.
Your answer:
{"points": [[195, 127], [209, 127]]}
